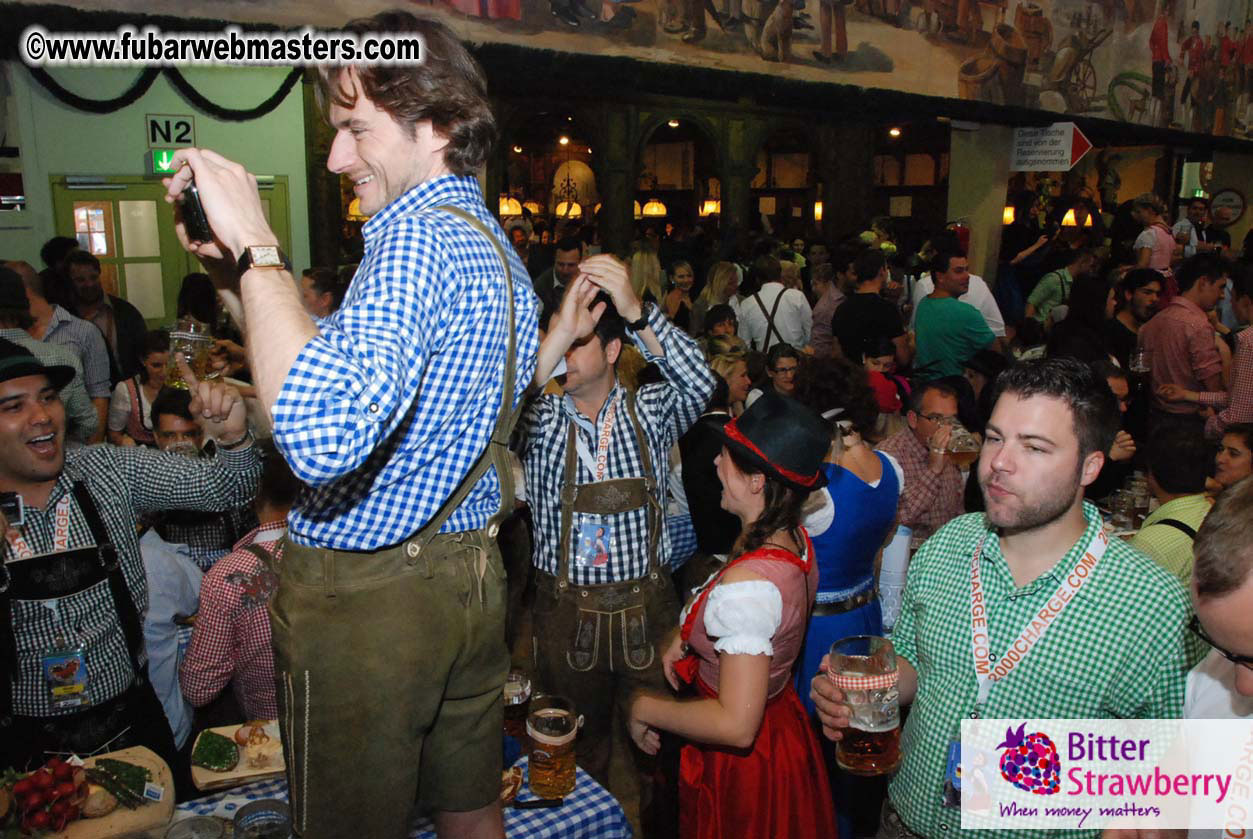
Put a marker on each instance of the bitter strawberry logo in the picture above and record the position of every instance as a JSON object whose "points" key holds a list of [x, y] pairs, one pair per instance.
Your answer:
{"points": [[1030, 761]]}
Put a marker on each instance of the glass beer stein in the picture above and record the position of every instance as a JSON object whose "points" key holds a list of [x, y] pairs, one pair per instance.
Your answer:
{"points": [[517, 700], [194, 342], [551, 727], [963, 448], [864, 668]]}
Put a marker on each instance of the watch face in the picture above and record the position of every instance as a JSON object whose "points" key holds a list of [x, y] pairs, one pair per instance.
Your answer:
{"points": [[265, 256]]}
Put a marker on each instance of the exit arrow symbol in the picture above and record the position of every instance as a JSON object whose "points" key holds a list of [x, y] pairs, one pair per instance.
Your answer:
{"points": [[164, 159]]}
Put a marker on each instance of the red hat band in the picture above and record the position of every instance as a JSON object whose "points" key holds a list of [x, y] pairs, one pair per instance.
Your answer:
{"points": [[732, 431]]}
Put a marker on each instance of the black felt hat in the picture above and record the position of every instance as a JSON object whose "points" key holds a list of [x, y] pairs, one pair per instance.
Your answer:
{"points": [[16, 361], [783, 438]]}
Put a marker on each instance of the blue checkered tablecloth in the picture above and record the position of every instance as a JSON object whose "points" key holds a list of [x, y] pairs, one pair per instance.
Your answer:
{"points": [[590, 812]]}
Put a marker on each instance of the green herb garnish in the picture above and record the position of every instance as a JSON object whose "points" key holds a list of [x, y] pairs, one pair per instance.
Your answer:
{"points": [[215, 752]]}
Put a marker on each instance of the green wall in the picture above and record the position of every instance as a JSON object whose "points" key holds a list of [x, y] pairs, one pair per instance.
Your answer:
{"points": [[56, 139]]}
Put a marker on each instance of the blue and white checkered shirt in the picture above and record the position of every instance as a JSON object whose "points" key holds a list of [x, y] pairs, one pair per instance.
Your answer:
{"points": [[665, 410], [87, 342], [385, 411]]}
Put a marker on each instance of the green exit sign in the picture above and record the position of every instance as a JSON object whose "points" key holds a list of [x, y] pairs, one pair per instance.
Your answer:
{"points": [[163, 162]]}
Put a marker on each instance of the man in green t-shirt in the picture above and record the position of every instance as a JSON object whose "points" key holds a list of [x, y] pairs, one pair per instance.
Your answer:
{"points": [[947, 331]]}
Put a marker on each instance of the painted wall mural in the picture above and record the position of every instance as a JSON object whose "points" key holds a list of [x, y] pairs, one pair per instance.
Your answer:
{"points": [[1179, 63]]}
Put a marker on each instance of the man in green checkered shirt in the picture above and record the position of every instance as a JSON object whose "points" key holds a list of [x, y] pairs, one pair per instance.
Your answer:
{"points": [[1119, 648]]}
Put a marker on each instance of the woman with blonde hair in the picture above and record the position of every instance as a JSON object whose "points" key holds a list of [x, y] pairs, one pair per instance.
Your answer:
{"points": [[646, 275], [721, 284], [678, 303], [733, 370], [1155, 247]]}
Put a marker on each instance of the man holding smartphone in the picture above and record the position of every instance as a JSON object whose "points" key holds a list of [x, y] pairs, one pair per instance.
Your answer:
{"points": [[388, 624]]}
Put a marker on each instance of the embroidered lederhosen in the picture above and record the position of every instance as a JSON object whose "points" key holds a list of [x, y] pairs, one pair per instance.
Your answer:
{"points": [[60, 576]]}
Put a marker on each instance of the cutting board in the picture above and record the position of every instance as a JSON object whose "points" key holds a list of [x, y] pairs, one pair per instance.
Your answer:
{"points": [[206, 779], [123, 822]]}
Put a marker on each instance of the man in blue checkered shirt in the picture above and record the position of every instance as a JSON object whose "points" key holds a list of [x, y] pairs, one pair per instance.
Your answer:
{"points": [[388, 624], [595, 460]]}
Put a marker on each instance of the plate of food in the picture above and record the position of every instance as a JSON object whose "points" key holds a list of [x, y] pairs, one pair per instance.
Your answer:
{"points": [[231, 755], [111, 795]]}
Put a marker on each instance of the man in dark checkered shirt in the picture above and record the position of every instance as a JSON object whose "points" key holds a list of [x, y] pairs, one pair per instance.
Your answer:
{"points": [[596, 468], [72, 586]]}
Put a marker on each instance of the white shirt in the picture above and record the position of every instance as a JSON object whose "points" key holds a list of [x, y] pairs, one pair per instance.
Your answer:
{"points": [[978, 295], [793, 320], [1185, 227], [1211, 695], [173, 590]]}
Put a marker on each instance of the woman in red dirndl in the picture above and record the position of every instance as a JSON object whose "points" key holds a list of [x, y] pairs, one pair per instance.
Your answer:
{"points": [[752, 766]]}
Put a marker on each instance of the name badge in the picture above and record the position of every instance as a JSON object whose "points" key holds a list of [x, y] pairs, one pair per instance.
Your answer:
{"points": [[592, 538], [953, 774], [65, 677]]}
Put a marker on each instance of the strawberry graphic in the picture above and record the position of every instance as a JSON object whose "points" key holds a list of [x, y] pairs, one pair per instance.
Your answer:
{"points": [[1030, 762]]}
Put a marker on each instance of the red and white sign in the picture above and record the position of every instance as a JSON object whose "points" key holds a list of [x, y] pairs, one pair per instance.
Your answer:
{"points": [[1053, 148]]}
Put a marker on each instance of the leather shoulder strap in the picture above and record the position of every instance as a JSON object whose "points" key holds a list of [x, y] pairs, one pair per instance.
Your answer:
{"points": [[1185, 529], [774, 310], [496, 453]]}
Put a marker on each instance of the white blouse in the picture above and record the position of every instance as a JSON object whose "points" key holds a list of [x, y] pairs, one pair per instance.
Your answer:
{"points": [[742, 617]]}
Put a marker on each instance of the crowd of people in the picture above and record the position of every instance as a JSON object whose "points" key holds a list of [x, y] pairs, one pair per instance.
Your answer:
{"points": [[662, 486]]}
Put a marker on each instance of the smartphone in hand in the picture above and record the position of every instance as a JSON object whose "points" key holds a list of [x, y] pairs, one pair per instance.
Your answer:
{"points": [[12, 508], [195, 222]]}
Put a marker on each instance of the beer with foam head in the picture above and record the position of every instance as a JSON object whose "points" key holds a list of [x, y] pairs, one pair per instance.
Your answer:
{"points": [[864, 668], [551, 727]]}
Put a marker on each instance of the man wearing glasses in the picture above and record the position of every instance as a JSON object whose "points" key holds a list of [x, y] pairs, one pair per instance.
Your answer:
{"points": [[782, 364], [1221, 686], [932, 495]]}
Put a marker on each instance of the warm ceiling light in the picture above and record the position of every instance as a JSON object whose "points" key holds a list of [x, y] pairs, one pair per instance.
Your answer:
{"points": [[894, 132], [563, 140], [1087, 220], [1007, 215], [817, 211], [654, 208], [674, 123], [639, 214], [510, 206], [1068, 220], [569, 209], [533, 206], [711, 207], [589, 149], [354, 211], [517, 150]]}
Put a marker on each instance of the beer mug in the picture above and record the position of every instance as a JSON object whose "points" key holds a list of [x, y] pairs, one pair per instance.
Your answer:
{"points": [[551, 726], [1123, 511], [517, 698], [193, 341], [963, 447], [864, 667]]}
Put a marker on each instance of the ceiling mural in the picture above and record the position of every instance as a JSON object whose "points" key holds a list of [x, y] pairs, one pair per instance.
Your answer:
{"points": [[1184, 64]]}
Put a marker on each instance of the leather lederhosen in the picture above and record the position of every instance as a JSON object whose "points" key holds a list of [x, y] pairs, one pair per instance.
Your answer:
{"points": [[58, 576], [622, 604], [596, 644]]}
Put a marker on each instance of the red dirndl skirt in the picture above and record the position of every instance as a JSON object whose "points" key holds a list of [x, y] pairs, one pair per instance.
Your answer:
{"points": [[779, 789]]}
